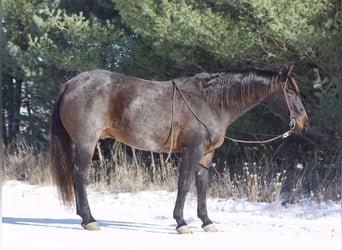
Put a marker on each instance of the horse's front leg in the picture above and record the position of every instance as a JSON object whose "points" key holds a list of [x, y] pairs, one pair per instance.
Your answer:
{"points": [[190, 159], [202, 174], [82, 159]]}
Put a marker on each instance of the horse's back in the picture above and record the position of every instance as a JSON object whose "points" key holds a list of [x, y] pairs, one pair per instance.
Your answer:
{"points": [[108, 104]]}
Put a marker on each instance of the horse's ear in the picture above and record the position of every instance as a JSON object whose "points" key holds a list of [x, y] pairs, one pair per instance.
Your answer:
{"points": [[286, 71], [286, 74], [283, 71], [289, 72]]}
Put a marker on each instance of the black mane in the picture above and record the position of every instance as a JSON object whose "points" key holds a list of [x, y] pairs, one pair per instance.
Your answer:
{"points": [[230, 88]]}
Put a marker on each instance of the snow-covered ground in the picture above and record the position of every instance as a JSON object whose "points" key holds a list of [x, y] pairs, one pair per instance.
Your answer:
{"points": [[32, 218]]}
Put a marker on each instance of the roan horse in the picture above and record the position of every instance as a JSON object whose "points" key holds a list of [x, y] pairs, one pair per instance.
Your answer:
{"points": [[189, 115]]}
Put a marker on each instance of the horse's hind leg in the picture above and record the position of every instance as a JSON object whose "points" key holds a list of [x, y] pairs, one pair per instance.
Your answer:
{"points": [[202, 185], [83, 154]]}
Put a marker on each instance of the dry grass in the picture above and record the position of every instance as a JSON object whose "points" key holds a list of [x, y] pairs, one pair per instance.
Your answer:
{"points": [[258, 179], [23, 162], [131, 174], [264, 179], [252, 184]]}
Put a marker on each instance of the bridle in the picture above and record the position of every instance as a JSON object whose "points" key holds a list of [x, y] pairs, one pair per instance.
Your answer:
{"points": [[292, 118], [283, 86]]}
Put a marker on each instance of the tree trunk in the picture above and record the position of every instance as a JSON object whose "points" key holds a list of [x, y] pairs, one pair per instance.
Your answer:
{"points": [[11, 106]]}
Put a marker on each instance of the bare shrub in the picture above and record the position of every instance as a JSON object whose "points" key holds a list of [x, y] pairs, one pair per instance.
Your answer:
{"points": [[254, 183], [316, 178]]}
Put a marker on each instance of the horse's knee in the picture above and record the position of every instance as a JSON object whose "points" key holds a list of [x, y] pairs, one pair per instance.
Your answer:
{"points": [[202, 177]]}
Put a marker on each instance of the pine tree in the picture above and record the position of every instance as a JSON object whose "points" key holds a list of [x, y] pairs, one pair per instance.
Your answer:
{"points": [[44, 47], [48, 42]]}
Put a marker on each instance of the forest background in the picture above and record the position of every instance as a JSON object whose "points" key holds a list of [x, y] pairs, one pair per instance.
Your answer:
{"points": [[45, 43]]}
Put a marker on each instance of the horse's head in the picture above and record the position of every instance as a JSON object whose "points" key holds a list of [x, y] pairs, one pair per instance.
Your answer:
{"points": [[285, 102]]}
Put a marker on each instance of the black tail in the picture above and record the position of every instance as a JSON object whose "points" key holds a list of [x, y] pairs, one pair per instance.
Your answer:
{"points": [[61, 155]]}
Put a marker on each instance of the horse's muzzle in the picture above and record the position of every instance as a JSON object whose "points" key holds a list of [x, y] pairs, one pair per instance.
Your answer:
{"points": [[302, 125]]}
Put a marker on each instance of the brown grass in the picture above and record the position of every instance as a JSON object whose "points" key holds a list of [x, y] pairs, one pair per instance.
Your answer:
{"points": [[256, 181], [23, 162]]}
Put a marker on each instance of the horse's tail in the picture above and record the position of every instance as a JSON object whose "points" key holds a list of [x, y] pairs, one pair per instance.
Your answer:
{"points": [[61, 156]]}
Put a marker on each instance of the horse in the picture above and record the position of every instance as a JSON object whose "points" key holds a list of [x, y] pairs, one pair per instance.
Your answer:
{"points": [[186, 115]]}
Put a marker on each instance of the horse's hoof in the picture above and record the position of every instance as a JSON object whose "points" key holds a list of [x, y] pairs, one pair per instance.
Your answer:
{"points": [[210, 228], [184, 230], [92, 226]]}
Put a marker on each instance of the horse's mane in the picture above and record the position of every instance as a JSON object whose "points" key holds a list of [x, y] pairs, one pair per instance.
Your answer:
{"points": [[233, 88]]}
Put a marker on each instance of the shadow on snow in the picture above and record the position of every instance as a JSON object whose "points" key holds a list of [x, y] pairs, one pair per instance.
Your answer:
{"points": [[75, 224]]}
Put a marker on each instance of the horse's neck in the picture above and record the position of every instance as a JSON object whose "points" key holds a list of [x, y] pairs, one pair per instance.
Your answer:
{"points": [[255, 96]]}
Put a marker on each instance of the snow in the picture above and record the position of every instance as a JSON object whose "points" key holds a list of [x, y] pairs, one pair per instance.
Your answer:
{"points": [[33, 218]]}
